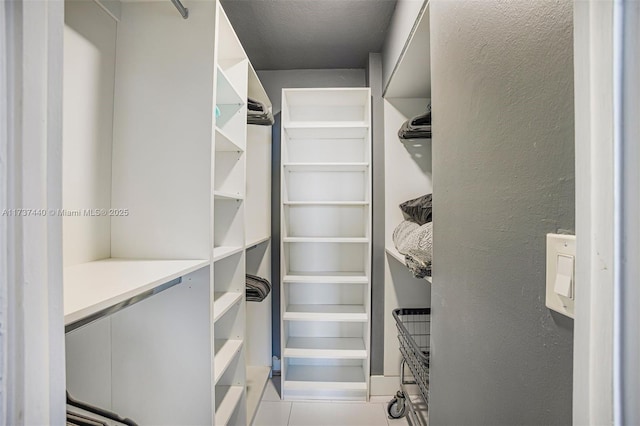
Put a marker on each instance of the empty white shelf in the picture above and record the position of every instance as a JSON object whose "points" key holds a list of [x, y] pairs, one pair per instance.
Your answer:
{"points": [[223, 252], [224, 142], [325, 347], [94, 286], [326, 277], [326, 203], [346, 313], [223, 302], [227, 399], [254, 243], [394, 253], [360, 240], [223, 195], [325, 167], [226, 93], [257, 378], [322, 377], [225, 352], [327, 130]]}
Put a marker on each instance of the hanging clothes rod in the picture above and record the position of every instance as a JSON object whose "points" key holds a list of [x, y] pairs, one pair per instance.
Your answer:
{"points": [[183, 10]]}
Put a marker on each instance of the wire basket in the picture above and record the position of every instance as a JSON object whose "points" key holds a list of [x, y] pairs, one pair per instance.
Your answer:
{"points": [[414, 334]]}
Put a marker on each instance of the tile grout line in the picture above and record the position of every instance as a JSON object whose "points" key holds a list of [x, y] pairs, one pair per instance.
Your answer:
{"points": [[290, 411]]}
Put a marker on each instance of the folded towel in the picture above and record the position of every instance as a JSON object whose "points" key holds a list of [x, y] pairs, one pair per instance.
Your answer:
{"points": [[258, 113], [415, 242], [418, 127], [256, 288]]}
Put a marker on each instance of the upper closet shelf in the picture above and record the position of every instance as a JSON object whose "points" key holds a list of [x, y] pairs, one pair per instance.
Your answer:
{"points": [[226, 93], [359, 240], [325, 203], [326, 277], [327, 130], [222, 252], [393, 252], [224, 142], [93, 287]]}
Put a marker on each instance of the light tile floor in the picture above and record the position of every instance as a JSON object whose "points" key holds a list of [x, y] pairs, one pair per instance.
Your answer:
{"points": [[275, 412]]}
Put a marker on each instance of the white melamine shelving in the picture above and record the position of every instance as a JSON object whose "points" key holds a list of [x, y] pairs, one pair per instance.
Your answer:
{"points": [[155, 135], [93, 286], [225, 353], [326, 245], [257, 378], [394, 253], [227, 400]]}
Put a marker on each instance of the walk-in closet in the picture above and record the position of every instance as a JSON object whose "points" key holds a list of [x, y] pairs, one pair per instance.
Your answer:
{"points": [[312, 212]]}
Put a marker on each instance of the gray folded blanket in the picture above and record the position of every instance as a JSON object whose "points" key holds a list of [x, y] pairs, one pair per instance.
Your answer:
{"points": [[415, 242]]}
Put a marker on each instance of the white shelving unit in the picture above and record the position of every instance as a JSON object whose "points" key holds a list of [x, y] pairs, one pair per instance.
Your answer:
{"points": [[155, 142], [325, 243], [408, 175]]}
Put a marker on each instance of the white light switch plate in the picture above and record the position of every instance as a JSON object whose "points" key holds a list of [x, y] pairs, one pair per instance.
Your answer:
{"points": [[561, 249]]}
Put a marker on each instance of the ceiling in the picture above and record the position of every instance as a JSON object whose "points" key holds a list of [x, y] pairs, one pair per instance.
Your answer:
{"points": [[310, 34]]}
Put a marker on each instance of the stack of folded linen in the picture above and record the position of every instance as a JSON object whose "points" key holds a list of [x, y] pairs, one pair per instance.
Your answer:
{"points": [[258, 113], [257, 288], [414, 237], [419, 127]]}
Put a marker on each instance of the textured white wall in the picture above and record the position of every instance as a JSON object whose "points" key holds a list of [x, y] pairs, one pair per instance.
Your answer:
{"points": [[503, 177]]}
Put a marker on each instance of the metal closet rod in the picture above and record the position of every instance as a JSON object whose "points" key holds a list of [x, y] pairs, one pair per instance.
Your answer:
{"points": [[183, 10]]}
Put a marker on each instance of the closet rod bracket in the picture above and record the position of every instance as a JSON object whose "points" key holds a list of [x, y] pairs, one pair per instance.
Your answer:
{"points": [[183, 10]]}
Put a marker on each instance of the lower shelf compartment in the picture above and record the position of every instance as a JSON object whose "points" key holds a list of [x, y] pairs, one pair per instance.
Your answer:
{"points": [[227, 400], [257, 378], [325, 382], [347, 313], [325, 347]]}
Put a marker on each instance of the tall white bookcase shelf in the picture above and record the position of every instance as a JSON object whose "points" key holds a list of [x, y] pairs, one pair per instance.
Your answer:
{"points": [[326, 243], [156, 135]]}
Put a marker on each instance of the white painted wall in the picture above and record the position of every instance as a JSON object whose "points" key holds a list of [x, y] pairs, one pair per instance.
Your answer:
{"points": [[402, 22], [89, 62]]}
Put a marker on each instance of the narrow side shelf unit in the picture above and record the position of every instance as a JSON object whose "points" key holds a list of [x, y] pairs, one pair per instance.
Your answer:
{"points": [[326, 243], [154, 288]]}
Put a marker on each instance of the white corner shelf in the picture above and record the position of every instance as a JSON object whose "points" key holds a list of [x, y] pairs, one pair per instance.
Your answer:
{"points": [[223, 301], [224, 195], [253, 244], [394, 253], [225, 350], [227, 94], [225, 143], [325, 377], [325, 347], [257, 379], [353, 240], [346, 313], [94, 286], [227, 400], [222, 252]]}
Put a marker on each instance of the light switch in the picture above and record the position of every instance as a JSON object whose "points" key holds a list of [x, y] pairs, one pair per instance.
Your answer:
{"points": [[561, 286], [564, 276]]}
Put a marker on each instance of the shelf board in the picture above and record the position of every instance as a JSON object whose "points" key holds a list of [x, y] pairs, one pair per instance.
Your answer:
{"points": [[326, 277], [227, 399], [90, 288], [345, 313], [255, 243], [325, 167], [224, 142], [223, 195], [327, 129], [222, 302], [359, 240], [394, 253], [323, 377], [257, 379], [326, 203], [226, 93], [226, 350], [222, 252], [325, 347]]}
